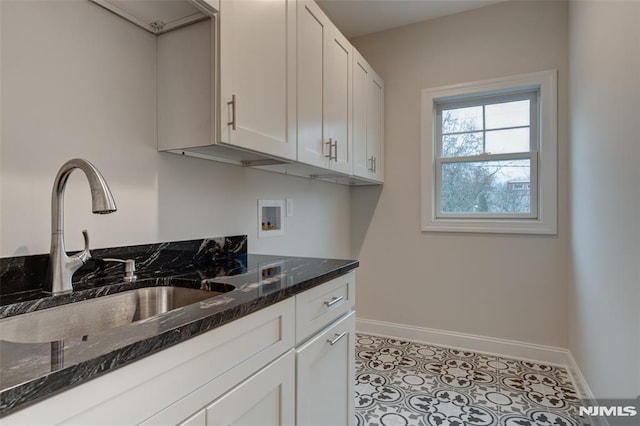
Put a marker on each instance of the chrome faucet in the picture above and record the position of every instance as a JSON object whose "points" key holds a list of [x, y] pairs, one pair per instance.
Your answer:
{"points": [[61, 266]]}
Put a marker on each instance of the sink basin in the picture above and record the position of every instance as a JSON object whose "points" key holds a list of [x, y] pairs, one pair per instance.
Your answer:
{"points": [[102, 313]]}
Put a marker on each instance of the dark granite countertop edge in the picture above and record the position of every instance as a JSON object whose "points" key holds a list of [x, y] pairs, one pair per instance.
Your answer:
{"points": [[28, 393]]}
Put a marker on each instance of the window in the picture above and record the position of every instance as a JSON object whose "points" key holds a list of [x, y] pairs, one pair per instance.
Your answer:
{"points": [[489, 156]]}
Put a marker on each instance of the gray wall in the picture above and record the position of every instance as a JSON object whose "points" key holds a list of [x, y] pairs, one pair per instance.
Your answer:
{"points": [[504, 286], [605, 174], [77, 81]]}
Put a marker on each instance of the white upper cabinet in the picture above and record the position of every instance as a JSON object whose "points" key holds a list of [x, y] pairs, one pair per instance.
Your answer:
{"points": [[368, 121], [257, 75], [270, 84], [324, 91], [229, 83]]}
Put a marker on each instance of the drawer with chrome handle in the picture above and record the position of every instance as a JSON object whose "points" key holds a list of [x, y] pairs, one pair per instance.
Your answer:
{"points": [[319, 306]]}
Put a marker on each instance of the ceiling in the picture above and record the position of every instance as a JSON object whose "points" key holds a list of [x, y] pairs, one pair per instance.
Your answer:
{"points": [[359, 17]]}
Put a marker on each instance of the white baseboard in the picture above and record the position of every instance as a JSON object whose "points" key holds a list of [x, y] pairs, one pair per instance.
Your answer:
{"points": [[578, 379], [584, 391], [489, 345]]}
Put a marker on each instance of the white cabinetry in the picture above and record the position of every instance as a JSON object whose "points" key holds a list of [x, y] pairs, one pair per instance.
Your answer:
{"points": [[271, 84], [318, 307], [266, 398], [257, 69], [226, 86], [325, 376], [324, 91], [325, 359], [368, 121]]}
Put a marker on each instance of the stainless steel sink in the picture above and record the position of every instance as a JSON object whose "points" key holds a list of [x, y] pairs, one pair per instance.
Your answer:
{"points": [[102, 313]]}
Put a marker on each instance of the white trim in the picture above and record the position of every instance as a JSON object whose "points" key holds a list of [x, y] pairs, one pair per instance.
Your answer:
{"points": [[583, 389], [546, 223], [489, 345]]}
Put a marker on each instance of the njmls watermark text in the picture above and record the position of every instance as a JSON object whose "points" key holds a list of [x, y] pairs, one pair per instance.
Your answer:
{"points": [[614, 411]]}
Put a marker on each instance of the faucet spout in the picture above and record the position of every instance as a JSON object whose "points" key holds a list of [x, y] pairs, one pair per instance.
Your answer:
{"points": [[62, 266]]}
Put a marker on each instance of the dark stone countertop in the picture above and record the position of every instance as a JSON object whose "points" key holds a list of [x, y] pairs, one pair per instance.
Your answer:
{"points": [[27, 373]]}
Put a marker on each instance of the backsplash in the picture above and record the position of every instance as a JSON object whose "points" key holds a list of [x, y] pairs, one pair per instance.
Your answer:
{"points": [[28, 273]]}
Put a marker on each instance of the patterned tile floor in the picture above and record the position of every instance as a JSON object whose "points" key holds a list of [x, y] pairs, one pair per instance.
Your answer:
{"points": [[402, 383]]}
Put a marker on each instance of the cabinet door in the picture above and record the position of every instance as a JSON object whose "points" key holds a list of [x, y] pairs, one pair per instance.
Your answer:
{"points": [[267, 398], [324, 91], [312, 27], [325, 369], [362, 164], [368, 121], [337, 99], [257, 75], [375, 125], [186, 112]]}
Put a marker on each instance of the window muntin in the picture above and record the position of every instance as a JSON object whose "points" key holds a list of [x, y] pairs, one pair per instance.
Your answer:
{"points": [[482, 144]]}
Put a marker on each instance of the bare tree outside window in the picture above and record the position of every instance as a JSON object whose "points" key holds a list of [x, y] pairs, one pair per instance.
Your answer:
{"points": [[474, 184]]}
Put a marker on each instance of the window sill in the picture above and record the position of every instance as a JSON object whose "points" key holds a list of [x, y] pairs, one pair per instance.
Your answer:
{"points": [[490, 226]]}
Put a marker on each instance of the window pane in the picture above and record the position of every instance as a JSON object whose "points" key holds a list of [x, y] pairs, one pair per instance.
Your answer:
{"points": [[462, 119], [507, 114], [462, 145], [486, 186], [508, 141]]}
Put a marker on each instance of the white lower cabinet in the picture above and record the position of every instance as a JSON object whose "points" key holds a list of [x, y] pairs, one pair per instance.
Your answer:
{"points": [[266, 398], [325, 367]]}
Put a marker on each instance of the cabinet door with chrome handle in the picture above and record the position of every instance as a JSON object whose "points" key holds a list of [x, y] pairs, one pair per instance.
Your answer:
{"points": [[257, 109], [325, 368], [368, 121]]}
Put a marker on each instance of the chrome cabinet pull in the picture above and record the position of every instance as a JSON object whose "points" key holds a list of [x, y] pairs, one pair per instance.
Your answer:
{"points": [[333, 146], [333, 301], [232, 123], [330, 143], [337, 338], [371, 159], [375, 164]]}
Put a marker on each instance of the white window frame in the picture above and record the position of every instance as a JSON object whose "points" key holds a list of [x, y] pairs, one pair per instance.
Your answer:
{"points": [[544, 218]]}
